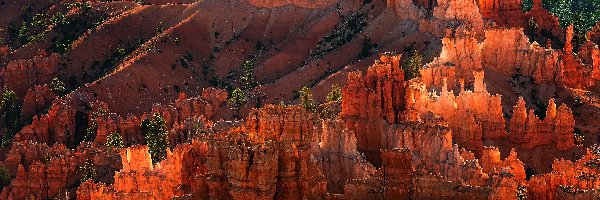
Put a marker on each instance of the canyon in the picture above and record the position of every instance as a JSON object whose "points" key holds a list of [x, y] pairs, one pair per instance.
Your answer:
{"points": [[297, 99]]}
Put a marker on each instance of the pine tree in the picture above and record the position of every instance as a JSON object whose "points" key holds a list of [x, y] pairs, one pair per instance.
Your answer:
{"points": [[306, 99], [4, 178], [155, 131], [10, 109], [57, 86], [237, 100], [413, 66], [114, 140], [335, 94], [88, 171], [247, 78]]}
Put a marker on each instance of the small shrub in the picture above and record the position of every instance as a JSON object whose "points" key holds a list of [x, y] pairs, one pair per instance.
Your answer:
{"points": [[114, 140]]}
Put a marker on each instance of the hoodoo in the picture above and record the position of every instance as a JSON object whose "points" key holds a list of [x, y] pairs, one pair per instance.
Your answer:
{"points": [[299, 99]]}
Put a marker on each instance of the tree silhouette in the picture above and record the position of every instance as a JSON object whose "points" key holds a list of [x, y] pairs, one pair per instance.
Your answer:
{"points": [[335, 94], [4, 178], [413, 66], [10, 109], [57, 86], [237, 100], [155, 131], [306, 99], [114, 140], [247, 78]]}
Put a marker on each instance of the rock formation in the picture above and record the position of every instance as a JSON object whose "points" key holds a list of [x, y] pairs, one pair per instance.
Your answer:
{"points": [[205, 105], [504, 12], [557, 127], [43, 172], [472, 115], [300, 3], [140, 179], [576, 180], [21, 75], [575, 73], [491, 163], [57, 126], [272, 161], [370, 103], [36, 100], [505, 50], [459, 58], [431, 137], [338, 158]]}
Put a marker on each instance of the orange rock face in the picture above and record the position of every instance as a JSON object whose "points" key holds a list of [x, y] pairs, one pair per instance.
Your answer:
{"points": [[372, 102], [43, 172], [337, 156], [568, 179], [261, 165], [431, 137], [503, 12], [472, 115], [458, 53], [57, 126], [205, 105], [504, 50], [575, 72], [529, 130]]}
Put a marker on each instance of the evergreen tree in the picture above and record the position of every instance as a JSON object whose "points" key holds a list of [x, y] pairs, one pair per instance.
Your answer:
{"points": [[90, 132], [114, 140], [413, 66], [527, 5], [335, 94], [583, 14], [237, 100], [155, 131], [247, 78], [88, 171], [306, 99], [57, 86], [10, 109], [4, 178]]}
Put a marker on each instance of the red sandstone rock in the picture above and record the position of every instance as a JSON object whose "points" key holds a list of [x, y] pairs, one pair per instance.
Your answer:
{"points": [[368, 104], [237, 169], [43, 172], [503, 12], [578, 176], [21, 75], [36, 100], [337, 156], [4, 51], [461, 54], [58, 126], [205, 105], [472, 115], [491, 163], [299, 3], [506, 49], [557, 127]]}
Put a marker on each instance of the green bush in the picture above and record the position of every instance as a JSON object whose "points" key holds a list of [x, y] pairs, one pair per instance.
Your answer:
{"points": [[237, 99], [4, 178], [335, 94], [155, 131], [10, 108], [413, 66], [114, 140], [306, 99]]}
